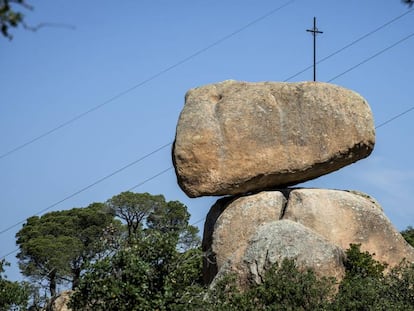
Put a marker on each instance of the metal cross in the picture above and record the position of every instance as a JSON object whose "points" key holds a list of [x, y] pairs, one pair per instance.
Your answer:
{"points": [[314, 32]]}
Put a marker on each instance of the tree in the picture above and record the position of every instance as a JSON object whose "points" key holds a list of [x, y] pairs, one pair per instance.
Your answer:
{"points": [[288, 288], [9, 16], [150, 271], [134, 208], [408, 235], [363, 286], [361, 264], [13, 295], [56, 246]]}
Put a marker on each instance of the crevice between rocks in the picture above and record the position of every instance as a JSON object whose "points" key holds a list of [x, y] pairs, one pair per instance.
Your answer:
{"points": [[286, 193]]}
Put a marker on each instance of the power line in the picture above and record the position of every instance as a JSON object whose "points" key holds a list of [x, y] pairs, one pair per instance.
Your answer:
{"points": [[373, 56], [169, 168], [351, 44], [79, 116], [93, 184], [9, 253], [150, 178], [194, 223], [395, 117], [164, 146], [189, 58], [147, 80], [185, 60]]}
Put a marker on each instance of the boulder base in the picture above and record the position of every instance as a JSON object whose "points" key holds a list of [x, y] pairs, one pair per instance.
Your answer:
{"points": [[233, 243], [286, 239], [230, 224]]}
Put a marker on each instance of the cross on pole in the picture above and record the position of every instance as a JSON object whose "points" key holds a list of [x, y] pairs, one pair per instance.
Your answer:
{"points": [[314, 32]]}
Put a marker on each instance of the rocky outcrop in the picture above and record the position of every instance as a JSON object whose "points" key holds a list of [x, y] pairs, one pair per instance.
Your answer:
{"points": [[339, 218], [236, 137], [60, 302], [249, 139], [285, 239], [345, 217], [230, 224]]}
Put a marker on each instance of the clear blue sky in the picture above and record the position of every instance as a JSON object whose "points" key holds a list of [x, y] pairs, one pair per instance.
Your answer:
{"points": [[57, 73]]}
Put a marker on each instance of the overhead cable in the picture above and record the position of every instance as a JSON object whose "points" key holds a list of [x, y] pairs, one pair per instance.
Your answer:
{"points": [[351, 44], [149, 79], [94, 184]]}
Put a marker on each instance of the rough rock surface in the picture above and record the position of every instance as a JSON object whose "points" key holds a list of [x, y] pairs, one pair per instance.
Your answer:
{"points": [[349, 217], [230, 224], [61, 302], [282, 239], [340, 217], [236, 137]]}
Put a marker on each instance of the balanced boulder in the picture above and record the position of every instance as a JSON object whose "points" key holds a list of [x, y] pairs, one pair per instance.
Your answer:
{"points": [[237, 137]]}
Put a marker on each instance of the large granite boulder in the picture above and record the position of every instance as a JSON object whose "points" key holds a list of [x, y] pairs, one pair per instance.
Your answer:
{"points": [[278, 240], [239, 219], [236, 137], [345, 217], [338, 217]]}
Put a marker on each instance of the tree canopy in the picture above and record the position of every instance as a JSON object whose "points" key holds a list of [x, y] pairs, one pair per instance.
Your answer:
{"points": [[408, 235], [56, 246], [138, 251], [155, 264], [134, 208], [286, 287], [13, 295]]}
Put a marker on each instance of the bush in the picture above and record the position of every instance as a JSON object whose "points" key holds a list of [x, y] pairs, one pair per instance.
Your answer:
{"points": [[285, 287]]}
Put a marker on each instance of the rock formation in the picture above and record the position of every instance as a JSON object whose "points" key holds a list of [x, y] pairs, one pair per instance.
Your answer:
{"points": [[250, 141], [338, 218], [345, 217], [274, 241], [236, 137], [233, 220]]}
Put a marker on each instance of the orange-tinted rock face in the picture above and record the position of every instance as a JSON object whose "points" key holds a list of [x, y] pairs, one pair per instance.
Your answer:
{"points": [[236, 137]]}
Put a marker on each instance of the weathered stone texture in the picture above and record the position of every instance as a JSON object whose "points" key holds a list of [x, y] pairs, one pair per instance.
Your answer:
{"points": [[60, 303], [286, 239], [230, 224], [338, 217], [236, 137], [345, 217]]}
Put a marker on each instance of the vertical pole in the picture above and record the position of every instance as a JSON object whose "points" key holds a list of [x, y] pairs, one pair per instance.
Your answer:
{"points": [[314, 49], [314, 31]]}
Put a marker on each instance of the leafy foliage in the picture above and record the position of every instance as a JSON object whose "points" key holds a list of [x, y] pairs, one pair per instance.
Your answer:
{"points": [[150, 260], [366, 286], [148, 271], [134, 208], [408, 235], [285, 287], [361, 264], [13, 295], [56, 246], [9, 16]]}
